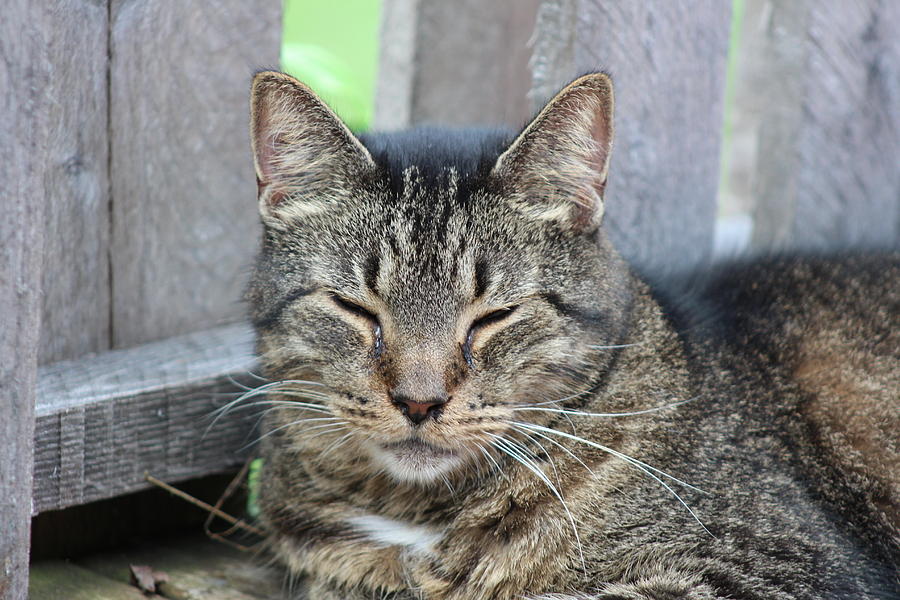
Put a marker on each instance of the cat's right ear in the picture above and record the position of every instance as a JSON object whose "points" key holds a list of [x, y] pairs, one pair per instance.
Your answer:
{"points": [[306, 158]]}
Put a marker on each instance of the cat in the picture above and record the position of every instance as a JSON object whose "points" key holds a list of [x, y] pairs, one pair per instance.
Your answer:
{"points": [[475, 397]]}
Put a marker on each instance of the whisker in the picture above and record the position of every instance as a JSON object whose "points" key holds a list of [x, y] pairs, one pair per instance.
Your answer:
{"points": [[609, 450], [563, 448], [567, 398], [289, 404], [581, 413], [544, 450], [297, 422], [263, 390], [648, 469], [487, 455], [338, 443], [615, 346], [504, 445], [449, 486]]}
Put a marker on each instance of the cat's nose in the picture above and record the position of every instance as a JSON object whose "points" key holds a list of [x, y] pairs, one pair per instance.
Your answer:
{"points": [[417, 411]]}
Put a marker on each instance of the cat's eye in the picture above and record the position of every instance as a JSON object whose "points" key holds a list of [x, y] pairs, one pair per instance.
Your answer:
{"points": [[356, 309], [492, 317]]}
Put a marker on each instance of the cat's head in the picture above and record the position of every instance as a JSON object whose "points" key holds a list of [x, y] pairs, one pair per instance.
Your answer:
{"points": [[430, 284]]}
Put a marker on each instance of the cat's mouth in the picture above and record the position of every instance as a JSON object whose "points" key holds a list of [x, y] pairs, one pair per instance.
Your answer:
{"points": [[414, 459], [417, 446]]}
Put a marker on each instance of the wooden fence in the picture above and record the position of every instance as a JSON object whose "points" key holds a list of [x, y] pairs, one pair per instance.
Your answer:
{"points": [[128, 213]]}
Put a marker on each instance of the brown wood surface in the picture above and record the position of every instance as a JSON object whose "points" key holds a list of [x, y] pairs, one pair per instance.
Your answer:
{"points": [[198, 569], [184, 220], [75, 311], [455, 63], [667, 60], [829, 136], [24, 72], [104, 421], [54, 580]]}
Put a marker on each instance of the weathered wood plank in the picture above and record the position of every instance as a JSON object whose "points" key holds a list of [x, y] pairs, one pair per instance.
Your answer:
{"points": [[75, 312], [668, 63], [185, 225], [198, 568], [456, 63], [829, 135], [396, 64], [52, 580], [24, 72], [105, 420]]}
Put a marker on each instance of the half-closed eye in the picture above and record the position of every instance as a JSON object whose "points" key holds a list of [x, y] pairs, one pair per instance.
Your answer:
{"points": [[354, 308], [492, 317]]}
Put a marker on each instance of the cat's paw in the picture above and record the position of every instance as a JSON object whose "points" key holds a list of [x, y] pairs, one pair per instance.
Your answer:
{"points": [[323, 590], [661, 587], [480, 580]]}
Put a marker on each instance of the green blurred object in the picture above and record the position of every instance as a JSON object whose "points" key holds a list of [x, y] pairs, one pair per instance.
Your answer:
{"points": [[253, 487], [333, 48]]}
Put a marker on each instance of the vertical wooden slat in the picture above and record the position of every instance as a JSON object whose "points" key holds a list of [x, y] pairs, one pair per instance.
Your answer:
{"points": [[184, 217], [396, 64], [829, 135], [75, 308], [456, 63], [472, 62], [668, 63], [23, 145]]}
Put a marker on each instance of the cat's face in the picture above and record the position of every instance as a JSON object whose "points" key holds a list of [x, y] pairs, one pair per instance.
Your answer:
{"points": [[426, 298]]}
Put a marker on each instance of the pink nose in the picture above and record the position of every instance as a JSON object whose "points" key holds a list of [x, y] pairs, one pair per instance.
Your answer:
{"points": [[417, 412]]}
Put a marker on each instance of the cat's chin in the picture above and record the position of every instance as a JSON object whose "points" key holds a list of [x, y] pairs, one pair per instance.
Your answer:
{"points": [[415, 461]]}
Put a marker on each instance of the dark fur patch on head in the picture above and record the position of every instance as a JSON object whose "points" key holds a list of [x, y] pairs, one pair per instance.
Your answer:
{"points": [[471, 152]]}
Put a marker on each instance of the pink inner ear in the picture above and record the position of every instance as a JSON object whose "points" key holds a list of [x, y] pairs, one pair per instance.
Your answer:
{"points": [[600, 134], [264, 145]]}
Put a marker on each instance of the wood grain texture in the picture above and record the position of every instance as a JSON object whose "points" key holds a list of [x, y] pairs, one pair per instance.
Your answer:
{"points": [[105, 420], [455, 63], [55, 579], [396, 64], [75, 311], [199, 569], [668, 63], [185, 226], [24, 72], [829, 139]]}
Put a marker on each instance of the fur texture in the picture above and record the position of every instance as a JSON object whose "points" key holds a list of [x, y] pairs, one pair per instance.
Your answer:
{"points": [[585, 435]]}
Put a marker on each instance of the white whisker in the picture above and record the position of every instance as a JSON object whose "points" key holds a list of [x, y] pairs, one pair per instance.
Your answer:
{"points": [[614, 346], [581, 413], [648, 469], [297, 422], [487, 455], [509, 449], [264, 390]]}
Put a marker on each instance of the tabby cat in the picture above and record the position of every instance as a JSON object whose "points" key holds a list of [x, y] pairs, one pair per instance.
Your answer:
{"points": [[475, 397]]}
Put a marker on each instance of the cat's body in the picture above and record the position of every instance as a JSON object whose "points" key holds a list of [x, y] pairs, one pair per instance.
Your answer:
{"points": [[482, 400]]}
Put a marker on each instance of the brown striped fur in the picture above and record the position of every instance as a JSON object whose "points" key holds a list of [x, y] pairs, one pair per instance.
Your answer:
{"points": [[469, 275]]}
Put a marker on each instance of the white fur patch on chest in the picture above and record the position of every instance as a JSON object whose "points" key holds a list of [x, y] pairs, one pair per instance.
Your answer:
{"points": [[420, 539]]}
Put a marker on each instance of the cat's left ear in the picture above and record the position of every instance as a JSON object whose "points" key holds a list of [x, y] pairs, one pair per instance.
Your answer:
{"points": [[556, 169]]}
